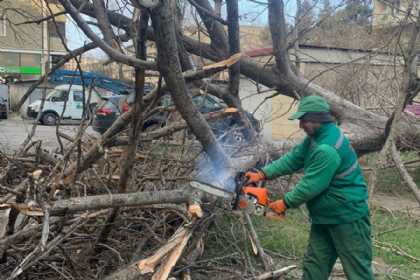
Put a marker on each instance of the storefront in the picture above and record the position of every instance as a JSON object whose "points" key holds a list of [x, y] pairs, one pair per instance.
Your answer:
{"points": [[20, 66]]}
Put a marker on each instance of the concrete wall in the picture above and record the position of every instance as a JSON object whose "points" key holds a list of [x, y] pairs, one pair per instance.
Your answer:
{"points": [[391, 13], [272, 112], [253, 102], [368, 79], [24, 37]]}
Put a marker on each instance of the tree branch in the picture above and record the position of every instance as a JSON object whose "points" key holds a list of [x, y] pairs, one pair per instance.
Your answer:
{"points": [[408, 180], [103, 23], [217, 34], [116, 55], [208, 12], [169, 66], [234, 45]]}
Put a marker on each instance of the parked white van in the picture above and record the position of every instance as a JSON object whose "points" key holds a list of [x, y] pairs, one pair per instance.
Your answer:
{"points": [[66, 101]]}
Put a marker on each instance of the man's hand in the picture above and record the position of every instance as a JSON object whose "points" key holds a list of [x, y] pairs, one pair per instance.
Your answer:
{"points": [[254, 176], [278, 206]]}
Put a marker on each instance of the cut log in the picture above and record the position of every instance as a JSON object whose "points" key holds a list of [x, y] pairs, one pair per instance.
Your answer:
{"points": [[148, 265], [195, 210], [137, 270], [170, 262], [224, 63]]}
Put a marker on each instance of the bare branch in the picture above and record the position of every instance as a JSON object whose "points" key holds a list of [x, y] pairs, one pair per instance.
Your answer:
{"points": [[208, 12], [114, 54], [38, 21], [103, 23]]}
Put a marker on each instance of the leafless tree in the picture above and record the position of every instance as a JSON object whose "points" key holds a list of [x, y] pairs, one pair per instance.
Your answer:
{"points": [[180, 78]]}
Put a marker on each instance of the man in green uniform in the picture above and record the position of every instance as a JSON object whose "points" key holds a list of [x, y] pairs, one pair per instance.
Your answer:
{"points": [[334, 191]]}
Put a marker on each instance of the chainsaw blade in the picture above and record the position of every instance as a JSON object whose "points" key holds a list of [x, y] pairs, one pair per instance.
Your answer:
{"points": [[212, 189]]}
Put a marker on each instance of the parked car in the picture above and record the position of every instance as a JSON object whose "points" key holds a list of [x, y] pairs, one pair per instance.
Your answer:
{"points": [[109, 109], [3, 108], [68, 98]]}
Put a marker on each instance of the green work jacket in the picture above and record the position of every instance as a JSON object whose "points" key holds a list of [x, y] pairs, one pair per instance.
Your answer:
{"points": [[332, 186]]}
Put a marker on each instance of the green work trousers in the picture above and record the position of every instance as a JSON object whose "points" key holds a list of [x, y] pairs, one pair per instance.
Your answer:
{"points": [[350, 242]]}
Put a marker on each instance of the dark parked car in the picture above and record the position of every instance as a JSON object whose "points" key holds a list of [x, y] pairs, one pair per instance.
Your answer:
{"points": [[3, 108], [228, 128], [108, 110]]}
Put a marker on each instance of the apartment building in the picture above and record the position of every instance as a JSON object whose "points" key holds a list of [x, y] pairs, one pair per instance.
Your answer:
{"points": [[25, 41], [393, 13]]}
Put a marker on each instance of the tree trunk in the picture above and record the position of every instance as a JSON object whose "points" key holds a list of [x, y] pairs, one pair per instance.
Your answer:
{"points": [[169, 65]]}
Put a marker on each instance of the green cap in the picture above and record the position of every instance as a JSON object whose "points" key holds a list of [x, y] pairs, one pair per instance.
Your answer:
{"points": [[313, 104]]}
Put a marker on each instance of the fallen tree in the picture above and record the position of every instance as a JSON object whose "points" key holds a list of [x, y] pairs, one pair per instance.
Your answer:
{"points": [[153, 230]]}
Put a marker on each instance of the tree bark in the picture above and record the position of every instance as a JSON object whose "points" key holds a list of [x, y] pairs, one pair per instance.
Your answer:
{"points": [[169, 66], [219, 42], [218, 7], [103, 22], [120, 200], [234, 45]]}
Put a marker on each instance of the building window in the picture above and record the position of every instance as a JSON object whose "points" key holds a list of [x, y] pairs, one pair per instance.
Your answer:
{"points": [[28, 59], [9, 59], [3, 24], [56, 31]]}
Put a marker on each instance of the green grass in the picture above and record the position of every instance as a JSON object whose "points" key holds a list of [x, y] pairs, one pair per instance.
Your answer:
{"points": [[403, 232], [290, 238], [389, 180]]}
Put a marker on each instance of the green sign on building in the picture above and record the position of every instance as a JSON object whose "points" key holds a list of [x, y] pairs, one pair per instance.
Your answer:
{"points": [[24, 70]]}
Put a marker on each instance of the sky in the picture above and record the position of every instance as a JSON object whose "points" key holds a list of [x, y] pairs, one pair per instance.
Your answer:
{"points": [[250, 13]]}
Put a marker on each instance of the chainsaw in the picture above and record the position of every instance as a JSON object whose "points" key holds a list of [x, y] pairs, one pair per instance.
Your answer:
{"points": [[251, 198]]}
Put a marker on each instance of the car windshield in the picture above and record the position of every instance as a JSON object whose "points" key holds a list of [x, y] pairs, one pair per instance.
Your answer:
{"points": [[57, 95]]}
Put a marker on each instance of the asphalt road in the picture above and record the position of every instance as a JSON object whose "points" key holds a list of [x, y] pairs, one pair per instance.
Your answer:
{"points": [[14, 131]]}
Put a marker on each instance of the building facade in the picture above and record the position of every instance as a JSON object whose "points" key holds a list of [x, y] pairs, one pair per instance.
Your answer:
{"points": [[392, 13], [25, 41]]}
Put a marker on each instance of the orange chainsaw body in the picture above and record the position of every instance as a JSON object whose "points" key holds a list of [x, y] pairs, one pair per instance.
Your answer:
{"points": [[260, 195]]}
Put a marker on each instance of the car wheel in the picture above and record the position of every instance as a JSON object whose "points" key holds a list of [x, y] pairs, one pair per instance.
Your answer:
{"points": [[49, 118]]}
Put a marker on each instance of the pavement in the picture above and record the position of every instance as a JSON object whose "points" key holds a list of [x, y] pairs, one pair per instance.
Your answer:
{"points": [[14, 131]]}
